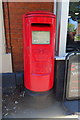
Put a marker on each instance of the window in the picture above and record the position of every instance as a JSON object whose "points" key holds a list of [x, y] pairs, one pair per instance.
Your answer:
{"points": [[73, 29]]}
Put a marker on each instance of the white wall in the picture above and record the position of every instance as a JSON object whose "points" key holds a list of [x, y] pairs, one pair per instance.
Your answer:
{"points": [[5, 59]]}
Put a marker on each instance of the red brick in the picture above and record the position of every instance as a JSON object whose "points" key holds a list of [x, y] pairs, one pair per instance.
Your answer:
{"points": [[15, 35], [5, 4], [17, 43], [15, 25]]}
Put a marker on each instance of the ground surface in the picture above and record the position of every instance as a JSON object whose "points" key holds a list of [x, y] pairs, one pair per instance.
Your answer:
{"points": [[18, 104]]}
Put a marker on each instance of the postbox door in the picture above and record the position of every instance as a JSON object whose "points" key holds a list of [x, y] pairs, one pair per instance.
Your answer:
{"points": [[42, 55]]}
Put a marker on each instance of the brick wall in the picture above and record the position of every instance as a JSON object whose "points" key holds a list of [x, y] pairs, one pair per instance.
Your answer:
{"points": [[13, 12]]}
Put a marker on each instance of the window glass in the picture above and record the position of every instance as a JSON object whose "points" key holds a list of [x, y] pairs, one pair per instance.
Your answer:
{"points": [[73, 29], [40, 37]]}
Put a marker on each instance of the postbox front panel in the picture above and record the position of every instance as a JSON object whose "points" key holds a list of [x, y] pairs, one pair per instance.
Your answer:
{"points": [[40, 59]]}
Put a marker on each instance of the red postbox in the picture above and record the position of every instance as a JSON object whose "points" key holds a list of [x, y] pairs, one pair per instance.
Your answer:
{"points": [[39, 50]]}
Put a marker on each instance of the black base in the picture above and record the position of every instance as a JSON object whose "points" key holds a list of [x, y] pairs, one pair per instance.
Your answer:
{"points": [[11, 81], [59, 78], [72, 106], [32, 93]]}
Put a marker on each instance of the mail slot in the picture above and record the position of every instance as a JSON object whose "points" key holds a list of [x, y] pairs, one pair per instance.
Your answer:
{"points": [[39, 50]]}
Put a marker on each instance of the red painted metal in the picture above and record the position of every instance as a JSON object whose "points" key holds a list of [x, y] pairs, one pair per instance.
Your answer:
{"points": [[39, 58]]}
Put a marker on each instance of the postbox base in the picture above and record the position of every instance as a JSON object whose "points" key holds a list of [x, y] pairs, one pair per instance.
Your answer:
{"points": [[32, 93]]}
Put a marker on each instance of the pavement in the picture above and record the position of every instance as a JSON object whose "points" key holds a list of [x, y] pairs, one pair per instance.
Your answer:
{"points": [[22, 105]]}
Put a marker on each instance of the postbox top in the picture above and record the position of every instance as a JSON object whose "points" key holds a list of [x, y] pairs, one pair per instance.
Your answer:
{"points": [[39, 13]]}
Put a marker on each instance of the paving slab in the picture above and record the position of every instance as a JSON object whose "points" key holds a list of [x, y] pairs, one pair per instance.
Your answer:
{"points": [[21, 105]]}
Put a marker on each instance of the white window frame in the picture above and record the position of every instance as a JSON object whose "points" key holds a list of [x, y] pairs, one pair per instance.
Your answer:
{"points": [[62, 9]]}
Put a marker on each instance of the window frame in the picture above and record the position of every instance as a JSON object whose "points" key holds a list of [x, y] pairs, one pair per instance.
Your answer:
{"points": [[62, 10]]}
